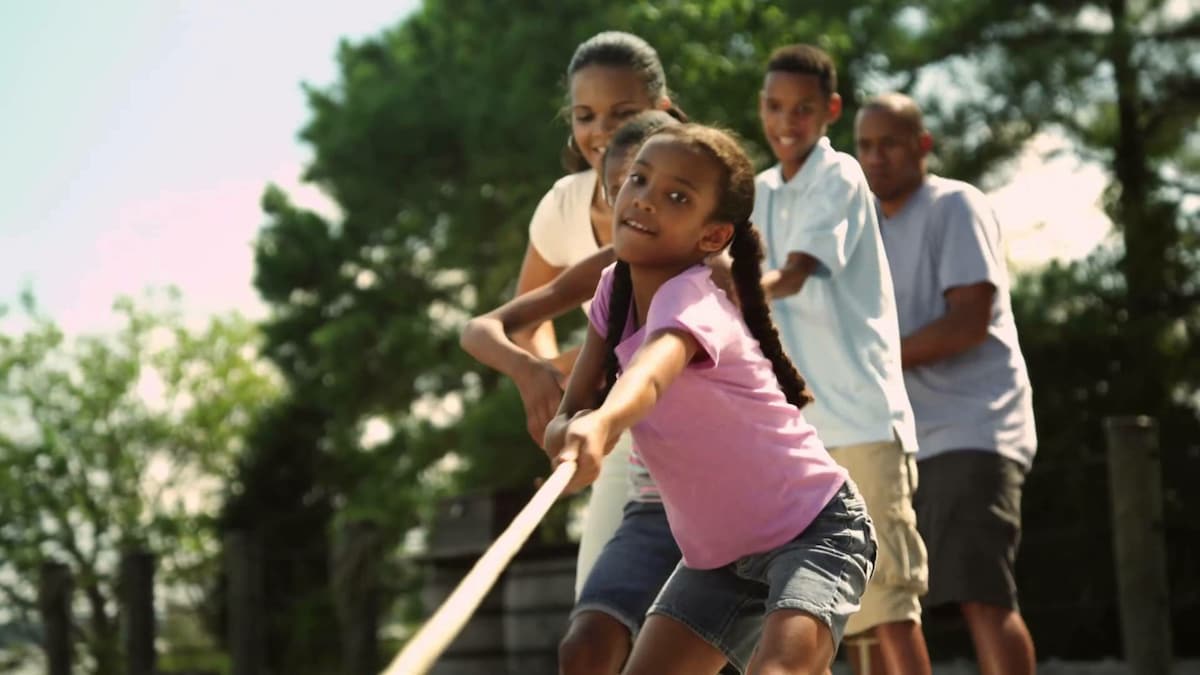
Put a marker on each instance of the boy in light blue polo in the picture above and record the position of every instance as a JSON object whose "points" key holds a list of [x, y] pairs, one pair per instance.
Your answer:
{"points": [[837, 317]]}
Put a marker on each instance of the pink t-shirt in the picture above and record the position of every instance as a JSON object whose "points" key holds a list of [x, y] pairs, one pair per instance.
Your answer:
{"points": [[740, 470]]}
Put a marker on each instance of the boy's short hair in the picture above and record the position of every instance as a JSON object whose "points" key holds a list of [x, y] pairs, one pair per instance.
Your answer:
{"points": [[806, 60]]}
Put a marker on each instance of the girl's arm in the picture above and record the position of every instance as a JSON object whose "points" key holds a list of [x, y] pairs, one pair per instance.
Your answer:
{"points": [[488, 338], [582, 388], [586, 436], [654, 367], [538, 338]]}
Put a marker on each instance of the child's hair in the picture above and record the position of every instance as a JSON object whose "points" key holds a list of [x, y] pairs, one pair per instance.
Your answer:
{"points": [[734, 205], [619, 50], [631, 134], [806, 60]]}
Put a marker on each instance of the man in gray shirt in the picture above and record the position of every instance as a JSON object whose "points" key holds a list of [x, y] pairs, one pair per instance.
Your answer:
{"points": [[965, 377]]}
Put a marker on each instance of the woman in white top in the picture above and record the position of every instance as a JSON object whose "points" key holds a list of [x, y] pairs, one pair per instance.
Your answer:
{"points": [[611, 77]]}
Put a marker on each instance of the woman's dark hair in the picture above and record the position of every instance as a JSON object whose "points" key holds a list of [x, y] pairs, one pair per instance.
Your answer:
{"points": [[734, 205], [619, 50]]}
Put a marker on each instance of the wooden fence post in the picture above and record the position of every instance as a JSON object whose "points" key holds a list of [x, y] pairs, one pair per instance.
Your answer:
{"points": [[1135, 484], [356, 582], [137, 611], [243, 559], [54, 603]]}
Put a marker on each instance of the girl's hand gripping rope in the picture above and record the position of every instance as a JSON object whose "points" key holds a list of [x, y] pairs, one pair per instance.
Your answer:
{"points": [[585, 439]]}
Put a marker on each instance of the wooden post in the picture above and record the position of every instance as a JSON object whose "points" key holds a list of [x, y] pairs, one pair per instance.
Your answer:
{"points": [[355, 569], [243, 559], [137, 611], [54, 601], [1135, 483]]}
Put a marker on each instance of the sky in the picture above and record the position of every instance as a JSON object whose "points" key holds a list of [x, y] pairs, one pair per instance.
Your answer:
{"points": [[138, 135]]}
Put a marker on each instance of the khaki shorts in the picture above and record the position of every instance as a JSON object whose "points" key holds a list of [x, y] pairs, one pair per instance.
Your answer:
{"points": [[887, 478]]}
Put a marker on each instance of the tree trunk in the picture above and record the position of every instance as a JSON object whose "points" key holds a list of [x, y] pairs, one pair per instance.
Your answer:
{"points": [[1147, 235]]}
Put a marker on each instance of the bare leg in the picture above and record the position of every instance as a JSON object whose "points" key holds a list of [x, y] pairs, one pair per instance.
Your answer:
{"points": [[902, 644], [667, 647], [595, 644], [793, 643], [896, 648], [1003, 645]]}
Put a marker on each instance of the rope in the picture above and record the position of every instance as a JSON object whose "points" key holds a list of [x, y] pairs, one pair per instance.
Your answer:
{"points": [[420, 653]]}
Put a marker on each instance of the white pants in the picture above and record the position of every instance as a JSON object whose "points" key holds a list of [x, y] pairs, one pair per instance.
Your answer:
{"points": [[604, 509]]}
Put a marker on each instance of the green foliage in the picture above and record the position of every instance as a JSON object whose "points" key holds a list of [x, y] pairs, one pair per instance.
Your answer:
{"points": [[115, 441]]}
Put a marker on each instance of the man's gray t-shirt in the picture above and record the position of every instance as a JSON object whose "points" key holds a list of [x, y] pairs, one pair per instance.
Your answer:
{"points": [[947, 235]]}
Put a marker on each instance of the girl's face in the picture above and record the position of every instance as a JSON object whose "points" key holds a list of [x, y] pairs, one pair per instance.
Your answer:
{"points": [[602, 98], [662, 215]]}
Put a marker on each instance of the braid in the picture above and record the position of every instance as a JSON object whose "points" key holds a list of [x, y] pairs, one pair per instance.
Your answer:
{"points": [[735, 205], [747, 253], [618, 313]]}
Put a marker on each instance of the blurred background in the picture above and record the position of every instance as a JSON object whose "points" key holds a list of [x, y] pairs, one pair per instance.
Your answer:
{"points": [[237, 243]]}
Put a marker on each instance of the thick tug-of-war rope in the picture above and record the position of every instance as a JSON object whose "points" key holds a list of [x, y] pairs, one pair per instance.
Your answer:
{"points": [[423, 650]]}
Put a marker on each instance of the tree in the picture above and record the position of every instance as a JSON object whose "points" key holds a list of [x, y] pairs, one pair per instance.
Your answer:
{"points": [[118, 441]]}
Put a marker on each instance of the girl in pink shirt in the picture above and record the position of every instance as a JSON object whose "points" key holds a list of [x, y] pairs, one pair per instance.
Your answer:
{"points": [[764, 517]]}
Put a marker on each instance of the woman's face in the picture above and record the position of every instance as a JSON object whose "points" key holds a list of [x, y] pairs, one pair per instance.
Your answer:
{"points": [[602, 98]]}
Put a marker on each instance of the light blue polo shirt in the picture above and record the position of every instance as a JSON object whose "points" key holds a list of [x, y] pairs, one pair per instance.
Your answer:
{"points": [[947, 235], [841, 329]]}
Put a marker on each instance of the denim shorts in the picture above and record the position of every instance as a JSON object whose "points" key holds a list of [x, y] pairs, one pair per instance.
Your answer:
{"points": [[823, 572], [632, 567]]}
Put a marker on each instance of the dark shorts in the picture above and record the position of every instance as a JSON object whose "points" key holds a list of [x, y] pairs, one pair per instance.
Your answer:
{"points": [[632, 567], [968, 505]]}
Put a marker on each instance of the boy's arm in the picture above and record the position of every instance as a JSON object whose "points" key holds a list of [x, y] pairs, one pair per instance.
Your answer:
{"points": [[824, 233], [789, 279]]}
